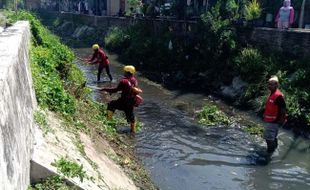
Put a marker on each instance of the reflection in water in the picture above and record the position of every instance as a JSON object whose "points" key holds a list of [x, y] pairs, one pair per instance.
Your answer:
{"points": [[182, 155]]}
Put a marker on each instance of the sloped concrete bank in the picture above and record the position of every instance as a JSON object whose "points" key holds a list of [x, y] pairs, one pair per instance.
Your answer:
{"points": [[17, 103], [59, 143], [28, 151]]}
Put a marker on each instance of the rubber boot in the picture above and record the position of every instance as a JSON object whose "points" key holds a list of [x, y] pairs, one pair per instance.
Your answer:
{"points": [[271, 146], [98, 76], [109, 115], [133, 128], [110, 77]]}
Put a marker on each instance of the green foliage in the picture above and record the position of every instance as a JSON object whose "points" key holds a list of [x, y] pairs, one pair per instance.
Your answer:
{"points": [[70, 169], [109, 125], [250, 64], [293, 106], [211, 115], [252, 91], [52, 68], [76, 83], [253, 10], [48, 86], [232, 9], [134, 3], [51, 183], [209, 52], [218, 34], [93, 115], [117, 39], [135, 44], [299, 77]]}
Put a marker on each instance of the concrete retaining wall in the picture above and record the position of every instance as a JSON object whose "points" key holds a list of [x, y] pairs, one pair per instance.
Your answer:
{"points": [[17, 102]]}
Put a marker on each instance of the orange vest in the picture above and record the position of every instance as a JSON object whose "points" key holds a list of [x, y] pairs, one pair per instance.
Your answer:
{"points": [[271, 109]]}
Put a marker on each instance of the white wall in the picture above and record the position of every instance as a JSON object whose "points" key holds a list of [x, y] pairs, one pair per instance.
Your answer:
{"points": [[17, 102]]}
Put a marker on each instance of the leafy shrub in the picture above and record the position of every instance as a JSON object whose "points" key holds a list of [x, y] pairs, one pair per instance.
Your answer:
{"points": [[231, 9], [253, 10], [293, 106], [250, 64], [135, 4], [50, 92], [117, 39], [218, 36]]}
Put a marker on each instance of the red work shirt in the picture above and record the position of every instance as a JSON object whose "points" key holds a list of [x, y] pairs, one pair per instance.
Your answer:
{"points": [[101, 57], [125, 86]]}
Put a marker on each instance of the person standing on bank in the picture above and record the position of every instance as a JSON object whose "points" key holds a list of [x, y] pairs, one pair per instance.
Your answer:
{"points": [[128, 100], [285, 16], [99, 57], [274, 114]]}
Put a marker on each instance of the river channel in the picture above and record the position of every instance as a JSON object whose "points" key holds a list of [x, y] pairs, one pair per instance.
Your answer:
{"points": [[183, 155]]}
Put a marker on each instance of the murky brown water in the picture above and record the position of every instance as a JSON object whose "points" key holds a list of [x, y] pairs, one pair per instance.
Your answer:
{"points": [[182, 155]]}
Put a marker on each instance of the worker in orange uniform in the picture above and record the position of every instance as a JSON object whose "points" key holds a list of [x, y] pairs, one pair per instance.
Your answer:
{"points": [[128, 86], [274, 114], [99, 57]]}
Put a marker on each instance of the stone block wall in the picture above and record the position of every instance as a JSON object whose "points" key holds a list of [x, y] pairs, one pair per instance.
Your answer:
{"points": [[17, 102], [293, 41]]}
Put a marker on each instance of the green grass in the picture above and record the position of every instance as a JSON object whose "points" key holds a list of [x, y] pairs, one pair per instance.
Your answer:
{"points": [[70, 169]]}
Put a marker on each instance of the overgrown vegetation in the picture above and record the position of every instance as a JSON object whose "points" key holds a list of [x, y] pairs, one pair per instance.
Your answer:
{"points": [[61, 87], [211, 115], [208, 56], [50, 63], [58, 83]]}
